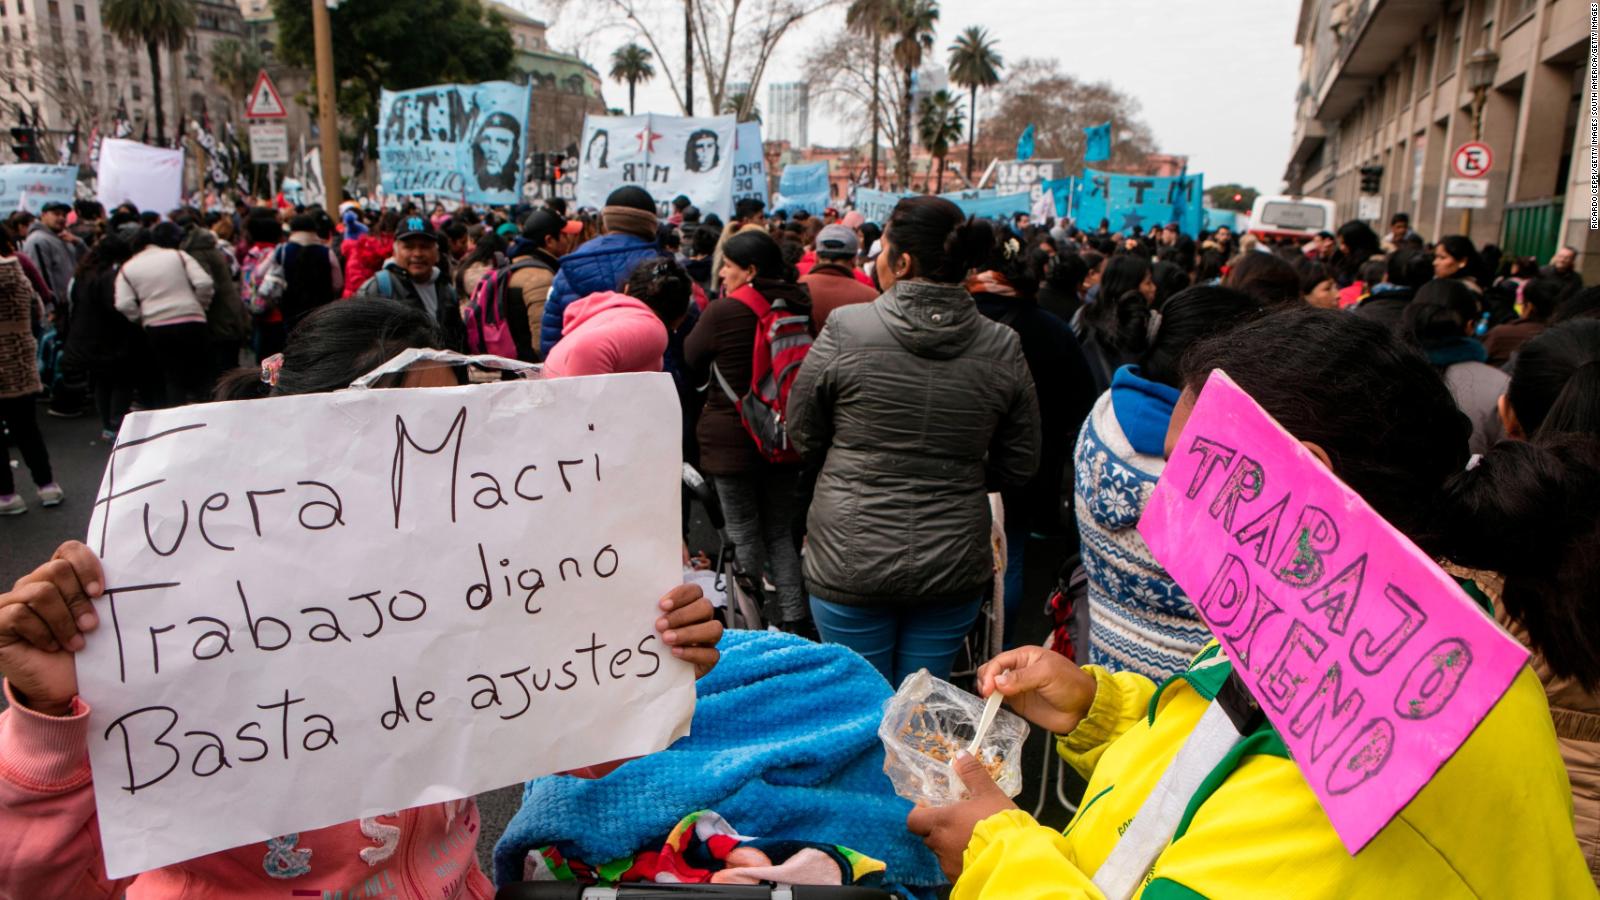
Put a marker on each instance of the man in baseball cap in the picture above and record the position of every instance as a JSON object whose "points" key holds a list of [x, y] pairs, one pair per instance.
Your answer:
{"points": [[412, 276], [833, 281], [535, 259]]}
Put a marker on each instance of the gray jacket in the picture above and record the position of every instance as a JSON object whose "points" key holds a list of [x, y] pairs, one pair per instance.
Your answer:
{"points": [[55, 258], [916, 405]]}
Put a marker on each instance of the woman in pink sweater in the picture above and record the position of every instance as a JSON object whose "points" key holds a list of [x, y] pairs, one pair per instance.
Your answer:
{"points": [[47, 809], [623, 332]]}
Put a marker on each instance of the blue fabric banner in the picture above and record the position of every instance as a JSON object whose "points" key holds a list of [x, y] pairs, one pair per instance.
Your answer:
{"points": [[1061, 190], [749, 164], [1139, 201], [466, 141], [1097, 143], [1001, 207], [877, 205], [803, 186], [28, 186]]}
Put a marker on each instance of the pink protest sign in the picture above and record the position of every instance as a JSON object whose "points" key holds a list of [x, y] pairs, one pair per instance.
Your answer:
{"points": [[1372, 663]]}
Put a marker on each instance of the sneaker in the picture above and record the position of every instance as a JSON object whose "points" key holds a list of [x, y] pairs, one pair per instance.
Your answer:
{"points": [[64, 413], [12, 505], [50, 494], [108, 436]]}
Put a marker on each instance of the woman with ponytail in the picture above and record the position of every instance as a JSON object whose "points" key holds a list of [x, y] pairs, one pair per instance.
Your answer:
{"points": [[1524, 525], [915, 405]]}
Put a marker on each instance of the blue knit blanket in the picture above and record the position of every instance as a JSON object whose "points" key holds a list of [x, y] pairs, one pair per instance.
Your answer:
{"points": [[784, 745]]}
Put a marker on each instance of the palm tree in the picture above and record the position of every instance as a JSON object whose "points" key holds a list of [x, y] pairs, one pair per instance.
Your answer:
{"points": [[974, 64], [914, 22], [872, 20], [939, 127], [631, 63], [742, 105], [235, 65], [159, 25]]}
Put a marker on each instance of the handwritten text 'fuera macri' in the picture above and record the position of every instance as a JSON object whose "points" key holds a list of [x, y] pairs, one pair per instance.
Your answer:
{"points": [[156, 741]]}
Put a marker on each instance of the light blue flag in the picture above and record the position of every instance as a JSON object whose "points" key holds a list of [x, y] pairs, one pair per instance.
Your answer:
{"points": [[1097, 143], [1025, 144], [803, 186]]}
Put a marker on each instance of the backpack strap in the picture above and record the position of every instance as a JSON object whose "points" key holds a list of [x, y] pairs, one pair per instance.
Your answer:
{"points": [[385, 284], [726, 387]]}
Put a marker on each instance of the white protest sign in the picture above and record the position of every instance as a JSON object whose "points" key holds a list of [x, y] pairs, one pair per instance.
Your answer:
{"points": [[148, 177], [665, 155], [382, 598]]}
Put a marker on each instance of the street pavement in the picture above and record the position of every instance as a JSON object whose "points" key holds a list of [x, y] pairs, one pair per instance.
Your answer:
{"points": [[78, 457]]}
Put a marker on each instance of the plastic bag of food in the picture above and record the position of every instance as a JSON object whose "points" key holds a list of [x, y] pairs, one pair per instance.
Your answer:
{"points": [[926, 723]]}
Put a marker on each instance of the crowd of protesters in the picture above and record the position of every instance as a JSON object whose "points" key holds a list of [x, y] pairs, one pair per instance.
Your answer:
{"points": [[939, 360]]}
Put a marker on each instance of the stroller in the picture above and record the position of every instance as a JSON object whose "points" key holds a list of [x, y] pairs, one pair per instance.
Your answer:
{"points": [[743, 594]]}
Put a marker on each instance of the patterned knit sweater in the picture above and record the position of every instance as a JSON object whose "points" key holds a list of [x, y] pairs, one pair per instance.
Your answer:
{"points": [[1139, 619]]}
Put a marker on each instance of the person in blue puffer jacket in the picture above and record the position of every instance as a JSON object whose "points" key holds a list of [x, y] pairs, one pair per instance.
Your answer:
{"points": [[629, 224]]}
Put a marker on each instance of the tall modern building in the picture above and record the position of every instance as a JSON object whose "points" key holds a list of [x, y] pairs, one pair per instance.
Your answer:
{"points": [[788, 114], [1399, 87]]}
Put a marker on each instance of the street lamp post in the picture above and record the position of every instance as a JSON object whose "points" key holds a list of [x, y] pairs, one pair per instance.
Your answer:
{"points": [[1480, 72]]}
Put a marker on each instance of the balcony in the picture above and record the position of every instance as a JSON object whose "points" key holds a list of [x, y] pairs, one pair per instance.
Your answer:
{"points": [[1373, 38]]}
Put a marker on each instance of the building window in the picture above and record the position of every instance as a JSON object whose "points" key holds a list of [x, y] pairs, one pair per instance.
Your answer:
{"points": [[138, 92], [83, 40], [1453, 58], [5, 32], [78, 14], [20, 12], [1425, 65], [88, 88], [55, 9]]}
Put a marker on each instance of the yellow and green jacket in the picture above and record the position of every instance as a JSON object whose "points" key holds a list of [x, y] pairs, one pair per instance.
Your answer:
{"points": [[1496, 821]]}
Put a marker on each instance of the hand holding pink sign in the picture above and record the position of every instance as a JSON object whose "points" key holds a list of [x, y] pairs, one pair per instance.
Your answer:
{"points": [[1371, 663]]}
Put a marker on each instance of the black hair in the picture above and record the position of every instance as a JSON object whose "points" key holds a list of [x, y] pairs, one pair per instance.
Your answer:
{"points": [[1555, 380], [1123, 273], [1400, 217], [1541, 296], [1068, 272], [89, 210], [661, 284], [1382, 414], [1408, 268], [1210, 266], [1119, 287], [1440, 314], [1013, 266], [1170, 279], [167, 234], [870, 234], [8, 244], [1312, 273], [1266, 277], [106, 254], [454, 230], [1188, 316], [747, 207], [263, 228], [943, 244], [757, 250], [690, 163], [704, 240], [1530, 511], [1358, 243], [1461, 248], [149, 218], [334, 345], [1585, 304]]}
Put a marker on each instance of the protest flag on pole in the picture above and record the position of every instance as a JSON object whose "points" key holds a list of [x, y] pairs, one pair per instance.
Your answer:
{"points": [[1025, 144], [1097, 143]]}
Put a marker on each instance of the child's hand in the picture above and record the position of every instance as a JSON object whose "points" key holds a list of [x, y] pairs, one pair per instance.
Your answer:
{"points": [[947, 830], [42, 622], [689, 629], [1044, 687]]}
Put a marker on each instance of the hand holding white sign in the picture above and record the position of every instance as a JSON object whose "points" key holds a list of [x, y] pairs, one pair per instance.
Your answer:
{"points": [[442, 590]]}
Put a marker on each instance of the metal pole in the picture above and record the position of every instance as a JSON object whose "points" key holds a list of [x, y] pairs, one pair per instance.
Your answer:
{"points": [[688, 58], [327, 106], [1478, 97]]}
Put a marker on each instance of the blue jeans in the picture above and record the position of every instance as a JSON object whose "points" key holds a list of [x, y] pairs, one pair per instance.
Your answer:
{"points": [[898, 641]]}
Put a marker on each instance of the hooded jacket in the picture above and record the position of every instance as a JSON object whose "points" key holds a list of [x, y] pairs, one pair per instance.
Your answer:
{"points": [[916, 406], [1387, 305], [606, 333], [600, 265], [363, 257]]}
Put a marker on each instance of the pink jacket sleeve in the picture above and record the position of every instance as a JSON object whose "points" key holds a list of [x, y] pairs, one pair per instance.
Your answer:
{"points": [[52, 845]]}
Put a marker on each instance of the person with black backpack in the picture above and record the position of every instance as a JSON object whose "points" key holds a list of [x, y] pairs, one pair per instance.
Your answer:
{"points": [[756, 474], [525, 283]]}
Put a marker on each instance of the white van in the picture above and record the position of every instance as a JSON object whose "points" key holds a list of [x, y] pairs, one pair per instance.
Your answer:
{"points": [[1279, 217]]}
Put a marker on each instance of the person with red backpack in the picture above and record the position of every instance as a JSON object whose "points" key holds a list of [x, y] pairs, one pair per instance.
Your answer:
{"points": [[916, 406], [749, 343]]}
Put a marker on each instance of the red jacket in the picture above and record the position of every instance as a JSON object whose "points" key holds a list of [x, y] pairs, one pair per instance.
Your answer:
{"points": [[363, 257]]}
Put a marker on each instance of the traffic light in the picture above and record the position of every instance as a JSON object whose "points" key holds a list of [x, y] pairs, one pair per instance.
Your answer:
{"points": [[1238, 197], [25, 144], [1371, 179], [536, 167]]}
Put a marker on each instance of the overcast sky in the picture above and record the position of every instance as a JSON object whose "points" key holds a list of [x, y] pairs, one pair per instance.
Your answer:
{"points": [[1214, 80]]}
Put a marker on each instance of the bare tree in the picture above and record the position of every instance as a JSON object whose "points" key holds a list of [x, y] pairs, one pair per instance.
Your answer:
{"points": [[841, 82], [1060, 106], [733, 40]]}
